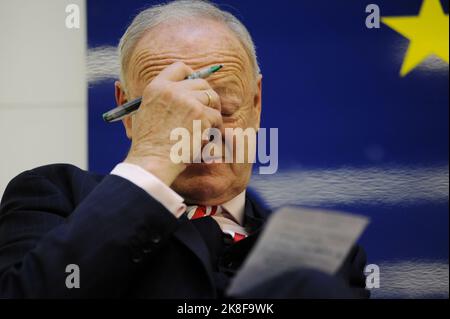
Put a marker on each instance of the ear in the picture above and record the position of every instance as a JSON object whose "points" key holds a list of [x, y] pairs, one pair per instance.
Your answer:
{"points": [[257, 100], [121, 98]]}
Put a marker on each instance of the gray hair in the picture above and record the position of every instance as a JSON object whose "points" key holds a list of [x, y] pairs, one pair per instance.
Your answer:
{"points": [[157, 14]]}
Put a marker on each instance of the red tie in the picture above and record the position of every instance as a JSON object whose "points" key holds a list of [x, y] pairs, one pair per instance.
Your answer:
{"points": [[196, 212]]}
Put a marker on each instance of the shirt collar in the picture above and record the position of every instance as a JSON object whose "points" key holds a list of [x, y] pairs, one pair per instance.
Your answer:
{"points": [[236, 207]]}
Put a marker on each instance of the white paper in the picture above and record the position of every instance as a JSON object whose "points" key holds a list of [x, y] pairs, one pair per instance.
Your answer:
{"points": [[297, 238]]}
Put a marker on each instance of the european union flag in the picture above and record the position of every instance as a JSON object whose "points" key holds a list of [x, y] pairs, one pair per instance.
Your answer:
{"points": [[361, 99]]}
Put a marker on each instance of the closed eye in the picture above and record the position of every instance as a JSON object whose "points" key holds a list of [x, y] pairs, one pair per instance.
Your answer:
{"points": [[229, 109]]}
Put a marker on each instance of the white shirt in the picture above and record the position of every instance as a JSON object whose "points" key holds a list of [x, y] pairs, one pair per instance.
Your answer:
{"points": [[174, 203]]}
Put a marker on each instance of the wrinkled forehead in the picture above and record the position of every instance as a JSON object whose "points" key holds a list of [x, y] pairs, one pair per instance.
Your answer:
{"points": [[198, 43]]}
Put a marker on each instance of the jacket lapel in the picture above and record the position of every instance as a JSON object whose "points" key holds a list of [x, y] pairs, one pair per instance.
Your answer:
{"points": [[188, 235]]}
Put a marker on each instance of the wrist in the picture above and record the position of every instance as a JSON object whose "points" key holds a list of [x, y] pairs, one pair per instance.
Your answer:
{"points": [[164, 170]]}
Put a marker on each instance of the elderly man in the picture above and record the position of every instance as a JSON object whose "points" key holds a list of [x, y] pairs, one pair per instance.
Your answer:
{"points": [[154, 228]]}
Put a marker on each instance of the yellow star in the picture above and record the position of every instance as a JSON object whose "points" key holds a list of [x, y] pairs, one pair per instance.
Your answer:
{"points": [[428, 34]]}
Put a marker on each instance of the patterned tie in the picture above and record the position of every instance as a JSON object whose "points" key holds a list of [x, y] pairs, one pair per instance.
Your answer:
{"points": [[225, 220]]}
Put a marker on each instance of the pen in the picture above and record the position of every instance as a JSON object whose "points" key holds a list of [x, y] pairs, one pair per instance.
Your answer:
{"points": [[131, 107]]}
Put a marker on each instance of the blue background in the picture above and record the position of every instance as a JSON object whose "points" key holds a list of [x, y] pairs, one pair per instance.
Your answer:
{"points": [[343, 100]]}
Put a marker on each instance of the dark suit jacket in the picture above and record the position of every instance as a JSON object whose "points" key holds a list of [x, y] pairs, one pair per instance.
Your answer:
{"points": [[125, 243]]}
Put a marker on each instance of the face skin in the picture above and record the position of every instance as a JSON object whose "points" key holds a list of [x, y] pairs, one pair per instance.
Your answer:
{"points": [[201, 43]]}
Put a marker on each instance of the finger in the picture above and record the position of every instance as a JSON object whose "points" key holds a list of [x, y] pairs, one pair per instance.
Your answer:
{"points": [[209, 98], [175, 72], [197, 84], [211, 118]]}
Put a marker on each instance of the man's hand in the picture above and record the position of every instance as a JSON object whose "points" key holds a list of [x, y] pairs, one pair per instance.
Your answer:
{"points": [[169, 102]]}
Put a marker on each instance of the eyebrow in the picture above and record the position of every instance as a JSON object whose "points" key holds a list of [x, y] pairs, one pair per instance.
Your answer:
{"points": [[231, 88]]}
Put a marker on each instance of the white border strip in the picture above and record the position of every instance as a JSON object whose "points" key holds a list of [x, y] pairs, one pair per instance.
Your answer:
{"points": [[102, 64], [372, 186], [413, 279]]}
